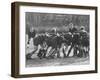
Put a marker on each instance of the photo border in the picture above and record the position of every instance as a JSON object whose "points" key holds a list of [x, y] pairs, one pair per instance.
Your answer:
{"points": [[15, 32]]}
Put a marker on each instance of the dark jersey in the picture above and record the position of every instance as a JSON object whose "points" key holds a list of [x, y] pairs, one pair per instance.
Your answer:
{"points": [[84, 38], [75, 39], [73, 30], [31, 34], [68, 38]]}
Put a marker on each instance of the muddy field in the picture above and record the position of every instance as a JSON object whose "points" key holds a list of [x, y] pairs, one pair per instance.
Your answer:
{"points": [[57, 62]]}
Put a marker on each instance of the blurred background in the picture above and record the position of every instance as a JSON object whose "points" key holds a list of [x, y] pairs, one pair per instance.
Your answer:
{"points": [[45, 21]]}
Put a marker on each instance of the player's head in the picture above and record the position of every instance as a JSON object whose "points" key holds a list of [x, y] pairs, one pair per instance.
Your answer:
{"points": [[82, 28], [54, 30], [71, 25]]}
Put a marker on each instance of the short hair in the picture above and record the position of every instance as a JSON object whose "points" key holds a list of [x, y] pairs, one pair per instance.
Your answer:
{"points": [[82, 28]]}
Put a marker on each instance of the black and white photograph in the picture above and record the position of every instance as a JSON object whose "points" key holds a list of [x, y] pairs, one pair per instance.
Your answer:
{"points": [[51, 39], [57, 39]]}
